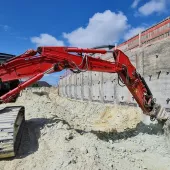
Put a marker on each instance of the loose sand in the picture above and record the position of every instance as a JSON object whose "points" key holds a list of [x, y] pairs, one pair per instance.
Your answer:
{"points": [[64, 134]]}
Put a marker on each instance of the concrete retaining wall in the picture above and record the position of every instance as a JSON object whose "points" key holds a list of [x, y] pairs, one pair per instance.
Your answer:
{"points": [[152, 62]]}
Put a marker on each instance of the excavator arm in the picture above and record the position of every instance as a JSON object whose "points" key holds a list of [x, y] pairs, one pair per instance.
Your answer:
{"points": [[46, 60]]}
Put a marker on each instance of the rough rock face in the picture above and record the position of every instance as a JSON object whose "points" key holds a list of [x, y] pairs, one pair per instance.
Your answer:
{"points": [[68, 134]]}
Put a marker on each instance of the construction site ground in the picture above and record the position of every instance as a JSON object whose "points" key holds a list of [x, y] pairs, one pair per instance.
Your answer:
{"points": [[61, 133]]}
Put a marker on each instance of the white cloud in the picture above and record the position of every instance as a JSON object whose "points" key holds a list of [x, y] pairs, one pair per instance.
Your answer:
{"points": [[4, 27], [46, 40], [102, 29], [153, 6], [135, 3], [133, 31]]}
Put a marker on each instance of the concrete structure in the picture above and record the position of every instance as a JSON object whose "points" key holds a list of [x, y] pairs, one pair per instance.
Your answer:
{"points": [[152, 62], [153, 34]]}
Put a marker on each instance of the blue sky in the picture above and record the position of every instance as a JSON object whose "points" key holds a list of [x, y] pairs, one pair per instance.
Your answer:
{"points": [[28, 24]]}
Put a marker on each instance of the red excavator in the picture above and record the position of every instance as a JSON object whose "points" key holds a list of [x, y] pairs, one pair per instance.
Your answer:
{"points": [[33, 65]]}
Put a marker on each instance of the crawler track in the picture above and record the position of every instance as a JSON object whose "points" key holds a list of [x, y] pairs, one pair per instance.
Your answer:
{"points": [[12, 121]]}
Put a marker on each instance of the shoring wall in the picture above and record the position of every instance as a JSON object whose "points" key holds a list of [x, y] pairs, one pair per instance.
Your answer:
{"points": [[152, 62]]}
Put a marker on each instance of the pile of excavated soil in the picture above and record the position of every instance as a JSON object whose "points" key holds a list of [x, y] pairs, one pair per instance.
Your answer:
{"points": [[64, 134]]}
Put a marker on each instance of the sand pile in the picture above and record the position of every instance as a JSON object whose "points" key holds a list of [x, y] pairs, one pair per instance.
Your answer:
{"points": [[66, 134]]}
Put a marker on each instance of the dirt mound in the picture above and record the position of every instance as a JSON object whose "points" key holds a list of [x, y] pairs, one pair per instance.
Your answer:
{"points": [[66, 134]]}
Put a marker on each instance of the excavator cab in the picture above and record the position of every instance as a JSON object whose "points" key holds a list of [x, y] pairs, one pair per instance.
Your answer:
{"points": [[5, 87]]}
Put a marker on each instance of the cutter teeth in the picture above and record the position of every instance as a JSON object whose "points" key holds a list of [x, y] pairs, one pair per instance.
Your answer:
{"points": [[163, 114], [159, 113]]}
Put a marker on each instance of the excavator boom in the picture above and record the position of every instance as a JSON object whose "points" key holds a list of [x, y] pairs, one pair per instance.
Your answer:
{"points": [[34, 64]]}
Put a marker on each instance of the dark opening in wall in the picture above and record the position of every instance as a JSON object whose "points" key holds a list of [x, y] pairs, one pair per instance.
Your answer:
{"points": [[158, 74]]}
